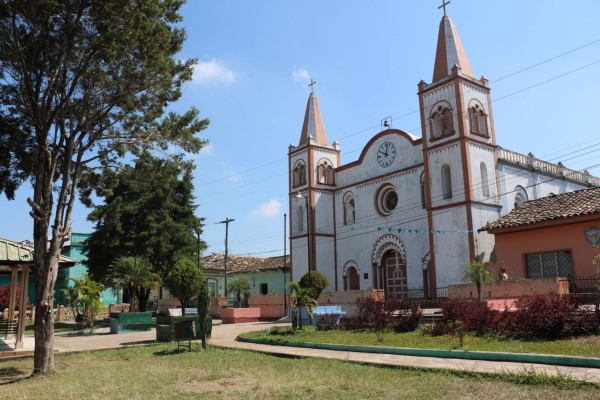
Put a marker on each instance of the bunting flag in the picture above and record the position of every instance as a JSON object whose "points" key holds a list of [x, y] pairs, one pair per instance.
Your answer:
{"points": [[422, 231]]}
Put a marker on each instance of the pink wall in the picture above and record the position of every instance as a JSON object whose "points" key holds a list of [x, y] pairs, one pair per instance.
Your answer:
{"points": [[272, 306], [511, 247], [509, 289]]}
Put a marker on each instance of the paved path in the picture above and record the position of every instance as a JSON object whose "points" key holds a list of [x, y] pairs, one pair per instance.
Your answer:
{"points": [[224, 336]]}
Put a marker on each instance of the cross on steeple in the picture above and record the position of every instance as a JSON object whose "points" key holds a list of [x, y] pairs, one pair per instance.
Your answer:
{"points": [[312, 84], [444, 4]]}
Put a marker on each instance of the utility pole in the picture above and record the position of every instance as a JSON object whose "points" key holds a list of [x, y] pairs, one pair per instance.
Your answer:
{"points": [[226, 222]]}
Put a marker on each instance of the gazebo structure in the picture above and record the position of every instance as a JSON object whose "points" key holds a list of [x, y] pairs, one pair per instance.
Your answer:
{"points": [[17, 258]]}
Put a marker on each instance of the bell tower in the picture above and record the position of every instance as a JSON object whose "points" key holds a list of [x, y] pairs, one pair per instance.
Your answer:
{"points": [[311, 167], [459, 151]]}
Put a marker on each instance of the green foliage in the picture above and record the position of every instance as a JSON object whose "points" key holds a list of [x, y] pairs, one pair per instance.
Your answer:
{"points": [[203, 311], [477, 273], [303, 297], [184, 280], [84, 298], [148, 211], [314, 280], [241, 287], [135, 276]]}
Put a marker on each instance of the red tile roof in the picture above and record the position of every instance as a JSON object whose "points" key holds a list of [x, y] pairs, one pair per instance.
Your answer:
{"points": [[235, 264], [566, 205]]}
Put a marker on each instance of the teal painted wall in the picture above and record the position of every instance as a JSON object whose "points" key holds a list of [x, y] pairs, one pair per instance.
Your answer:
{"points": [[75, 250]]}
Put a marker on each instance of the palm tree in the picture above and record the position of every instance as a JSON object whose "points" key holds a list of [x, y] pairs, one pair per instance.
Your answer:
{"points": [[240, 287], [84, 299], [135, 276], [303, 297], [477, 273]]}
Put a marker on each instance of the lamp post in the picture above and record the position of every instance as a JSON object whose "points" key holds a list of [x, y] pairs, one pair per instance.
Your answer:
{"points": [[197, 231], [300, 196]]}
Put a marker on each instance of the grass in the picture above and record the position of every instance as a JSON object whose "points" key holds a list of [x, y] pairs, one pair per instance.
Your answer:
{"points": [[159, 371], [588, 346]]}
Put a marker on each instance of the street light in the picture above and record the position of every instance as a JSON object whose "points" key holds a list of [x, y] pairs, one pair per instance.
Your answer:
{"points": [[300, 196]]}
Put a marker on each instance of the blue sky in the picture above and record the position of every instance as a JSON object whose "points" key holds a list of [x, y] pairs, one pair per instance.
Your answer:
{"points": [[256, 57]]}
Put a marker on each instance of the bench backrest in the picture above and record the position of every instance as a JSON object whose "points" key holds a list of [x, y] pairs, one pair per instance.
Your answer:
{"points": [[328, 309]]}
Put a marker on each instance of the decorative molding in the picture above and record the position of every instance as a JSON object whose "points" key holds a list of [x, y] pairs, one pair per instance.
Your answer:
{"points": [[443, 148], [387, 179], [479, 146], [387, 242], [349, 264]]}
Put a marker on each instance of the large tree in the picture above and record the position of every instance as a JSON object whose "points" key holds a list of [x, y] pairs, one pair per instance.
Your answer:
{"points": [[82, 82], [148, 212]]}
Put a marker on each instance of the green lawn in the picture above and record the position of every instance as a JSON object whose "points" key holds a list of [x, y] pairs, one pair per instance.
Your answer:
{"points": [[588, 346], [160, 372]]}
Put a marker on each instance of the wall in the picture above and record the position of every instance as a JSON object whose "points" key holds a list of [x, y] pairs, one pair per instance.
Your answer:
{"points": [[347, 299], [273, 278], [511, 247], [509, 289]]}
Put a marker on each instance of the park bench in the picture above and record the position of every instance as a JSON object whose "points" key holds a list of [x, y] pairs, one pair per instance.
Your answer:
{"points": [[7, 328]]}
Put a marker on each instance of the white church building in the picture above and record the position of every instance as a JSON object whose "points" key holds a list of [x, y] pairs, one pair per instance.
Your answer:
{"points": [[404, 217]]}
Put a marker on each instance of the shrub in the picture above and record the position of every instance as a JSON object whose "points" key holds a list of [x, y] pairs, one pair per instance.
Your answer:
{"points": [[5, 297], [327, 322], [317, 281], [372, 313]]}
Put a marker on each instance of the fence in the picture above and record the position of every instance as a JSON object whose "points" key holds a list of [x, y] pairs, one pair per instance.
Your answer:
{"points": [[584, 288]]}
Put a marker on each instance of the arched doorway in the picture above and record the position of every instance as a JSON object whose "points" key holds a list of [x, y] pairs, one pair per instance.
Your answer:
{"points": [[352, 277], [393, 272]]}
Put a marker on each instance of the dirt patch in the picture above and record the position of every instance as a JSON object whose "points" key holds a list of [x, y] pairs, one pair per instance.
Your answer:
{"points": [[229, 384]]}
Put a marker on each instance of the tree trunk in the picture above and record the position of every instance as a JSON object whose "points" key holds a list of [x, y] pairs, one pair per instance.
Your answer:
{"points": [[478, 283]]}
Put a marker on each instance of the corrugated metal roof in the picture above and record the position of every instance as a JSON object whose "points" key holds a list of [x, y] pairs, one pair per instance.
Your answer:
{"points": [[14, 253]]}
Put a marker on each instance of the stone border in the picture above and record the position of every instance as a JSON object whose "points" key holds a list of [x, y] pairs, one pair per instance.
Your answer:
{"points": [[549, 359]]}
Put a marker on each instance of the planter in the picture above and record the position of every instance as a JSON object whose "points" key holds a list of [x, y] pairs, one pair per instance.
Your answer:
{"points": [[135, 321], [239, 315]]}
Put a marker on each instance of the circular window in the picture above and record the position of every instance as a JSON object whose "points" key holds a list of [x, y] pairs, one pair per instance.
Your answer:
{"points": [[386, 199]]}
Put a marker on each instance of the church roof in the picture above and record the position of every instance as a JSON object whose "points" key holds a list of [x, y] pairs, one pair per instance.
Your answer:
{"points": [[237, 264], [313, 124], [449, 52], [553, 207]]}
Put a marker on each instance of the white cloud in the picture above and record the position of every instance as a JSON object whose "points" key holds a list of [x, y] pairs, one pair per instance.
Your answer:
{"points": [[301, 76], [212, 73], [271, 208]]}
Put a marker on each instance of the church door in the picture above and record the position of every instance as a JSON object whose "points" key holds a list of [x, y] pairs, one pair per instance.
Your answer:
{"points": [[394, 272], [353, 283]]}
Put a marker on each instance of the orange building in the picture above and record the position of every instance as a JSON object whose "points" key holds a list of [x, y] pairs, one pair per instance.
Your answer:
{"points": [[555, 236]]}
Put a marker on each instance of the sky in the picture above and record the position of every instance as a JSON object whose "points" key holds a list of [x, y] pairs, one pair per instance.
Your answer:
{"points": [[256, 58]]}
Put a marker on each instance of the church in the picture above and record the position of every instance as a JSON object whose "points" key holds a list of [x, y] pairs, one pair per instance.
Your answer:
{"points": [[405, 217]]}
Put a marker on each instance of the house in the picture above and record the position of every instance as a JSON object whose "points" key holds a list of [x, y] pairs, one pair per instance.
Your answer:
{"points": [[267, 275], [405, 217], [555, 236]]}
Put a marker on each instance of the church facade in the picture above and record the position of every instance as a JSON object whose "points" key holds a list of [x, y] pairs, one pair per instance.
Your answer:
{"points": [[405, 216]]}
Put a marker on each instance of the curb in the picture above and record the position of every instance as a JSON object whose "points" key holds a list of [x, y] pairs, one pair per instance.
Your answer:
{"points": [[548, 359]]}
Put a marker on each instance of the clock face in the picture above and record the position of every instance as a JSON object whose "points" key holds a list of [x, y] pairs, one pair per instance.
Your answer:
{"points": [[386, 154]]}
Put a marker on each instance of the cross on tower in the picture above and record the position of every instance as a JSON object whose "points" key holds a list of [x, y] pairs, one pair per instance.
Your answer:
{"points": [[444, 4], [312, 84]]}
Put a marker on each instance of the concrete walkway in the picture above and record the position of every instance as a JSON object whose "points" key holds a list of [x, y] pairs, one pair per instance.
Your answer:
{"points": [[224, 336]]}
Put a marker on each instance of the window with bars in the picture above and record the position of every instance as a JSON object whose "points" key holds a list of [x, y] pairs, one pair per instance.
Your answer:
{"points": [[552, 264]]}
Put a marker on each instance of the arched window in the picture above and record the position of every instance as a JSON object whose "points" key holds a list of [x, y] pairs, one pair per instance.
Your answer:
{"points": [[300, 216], [349, 209], [478, 120], [299, 175], [446, 182], [485, 187], [442, 123], [520, 196], [325, 173], [423, 193]]}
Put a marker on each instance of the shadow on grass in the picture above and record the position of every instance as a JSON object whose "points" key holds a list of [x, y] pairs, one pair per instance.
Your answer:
{"points": [[173, 352], [12, 375]]}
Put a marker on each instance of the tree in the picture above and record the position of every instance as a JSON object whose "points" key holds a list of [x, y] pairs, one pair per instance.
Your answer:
{"points": [[303, 297], [148, 212], [81, 84], [184, 280], [84, 298], [241, 287], [477, 273], [135, 276], [314, 280]]}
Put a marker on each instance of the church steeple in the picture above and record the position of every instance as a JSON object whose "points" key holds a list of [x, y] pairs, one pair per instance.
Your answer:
{"points": [[313, 124], [449, 51]]}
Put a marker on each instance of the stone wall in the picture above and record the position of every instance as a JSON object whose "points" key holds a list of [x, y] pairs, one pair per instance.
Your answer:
{"points": [[510, 289]]}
